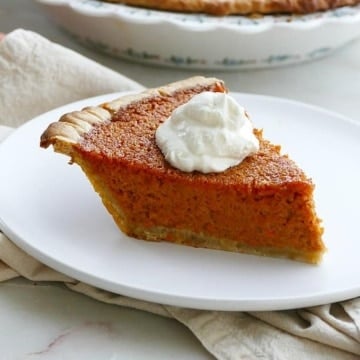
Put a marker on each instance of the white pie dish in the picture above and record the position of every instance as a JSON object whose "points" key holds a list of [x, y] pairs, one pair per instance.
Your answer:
{"points": [[196, 41]]}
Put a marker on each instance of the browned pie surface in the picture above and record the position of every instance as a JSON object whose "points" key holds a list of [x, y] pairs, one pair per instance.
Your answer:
{"points": [[244, 7]]}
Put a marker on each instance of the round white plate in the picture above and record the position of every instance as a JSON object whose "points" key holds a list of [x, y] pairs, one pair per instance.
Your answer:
{"points": [[49, 209]]}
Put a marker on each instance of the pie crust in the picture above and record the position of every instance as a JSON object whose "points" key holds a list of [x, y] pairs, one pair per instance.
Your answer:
{"points": [[243, 7]]}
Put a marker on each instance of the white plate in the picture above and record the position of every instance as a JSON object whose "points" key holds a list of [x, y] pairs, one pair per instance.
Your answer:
{"points": [[48, 208], [198, 41]]}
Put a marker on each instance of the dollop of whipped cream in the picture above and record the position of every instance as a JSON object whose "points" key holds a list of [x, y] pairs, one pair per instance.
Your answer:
{"points": [[209, 133]]}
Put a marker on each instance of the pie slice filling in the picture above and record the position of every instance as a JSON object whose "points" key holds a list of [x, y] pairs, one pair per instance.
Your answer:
{"points": [[263, 206]]}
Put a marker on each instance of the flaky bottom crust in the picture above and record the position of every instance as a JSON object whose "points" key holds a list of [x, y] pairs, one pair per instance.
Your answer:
{"points": [[243, 7], [186, 237]]}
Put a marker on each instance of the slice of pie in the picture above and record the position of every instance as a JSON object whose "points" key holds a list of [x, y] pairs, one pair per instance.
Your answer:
{"points": [[262, 206], [243, 7]]}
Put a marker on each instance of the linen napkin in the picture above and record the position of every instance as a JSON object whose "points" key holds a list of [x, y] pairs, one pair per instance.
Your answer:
{"points": [[37, 75]]}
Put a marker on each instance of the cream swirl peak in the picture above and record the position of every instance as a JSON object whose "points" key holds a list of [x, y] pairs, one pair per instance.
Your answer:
{"points": [[210, 133]]}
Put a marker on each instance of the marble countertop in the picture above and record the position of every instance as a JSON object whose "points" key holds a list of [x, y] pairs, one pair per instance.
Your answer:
{"points": [[47, 321]]}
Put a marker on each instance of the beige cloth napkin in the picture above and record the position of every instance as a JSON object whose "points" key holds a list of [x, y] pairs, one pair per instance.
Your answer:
{"points": [[37, 75]]}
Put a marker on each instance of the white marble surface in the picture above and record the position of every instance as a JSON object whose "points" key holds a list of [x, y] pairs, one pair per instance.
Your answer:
{"points": [[46, 321]]}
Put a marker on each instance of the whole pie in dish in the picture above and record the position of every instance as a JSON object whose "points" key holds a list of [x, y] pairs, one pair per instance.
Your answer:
{"points": [[243, 7], [262, 206]]}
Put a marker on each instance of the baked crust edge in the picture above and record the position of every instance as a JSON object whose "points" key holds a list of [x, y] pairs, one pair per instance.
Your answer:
{"points": [[242, 7], [71, 127]]}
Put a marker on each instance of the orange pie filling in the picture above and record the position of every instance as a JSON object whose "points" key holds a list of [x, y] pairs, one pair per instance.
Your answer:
{"points": [[263, 206]]}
